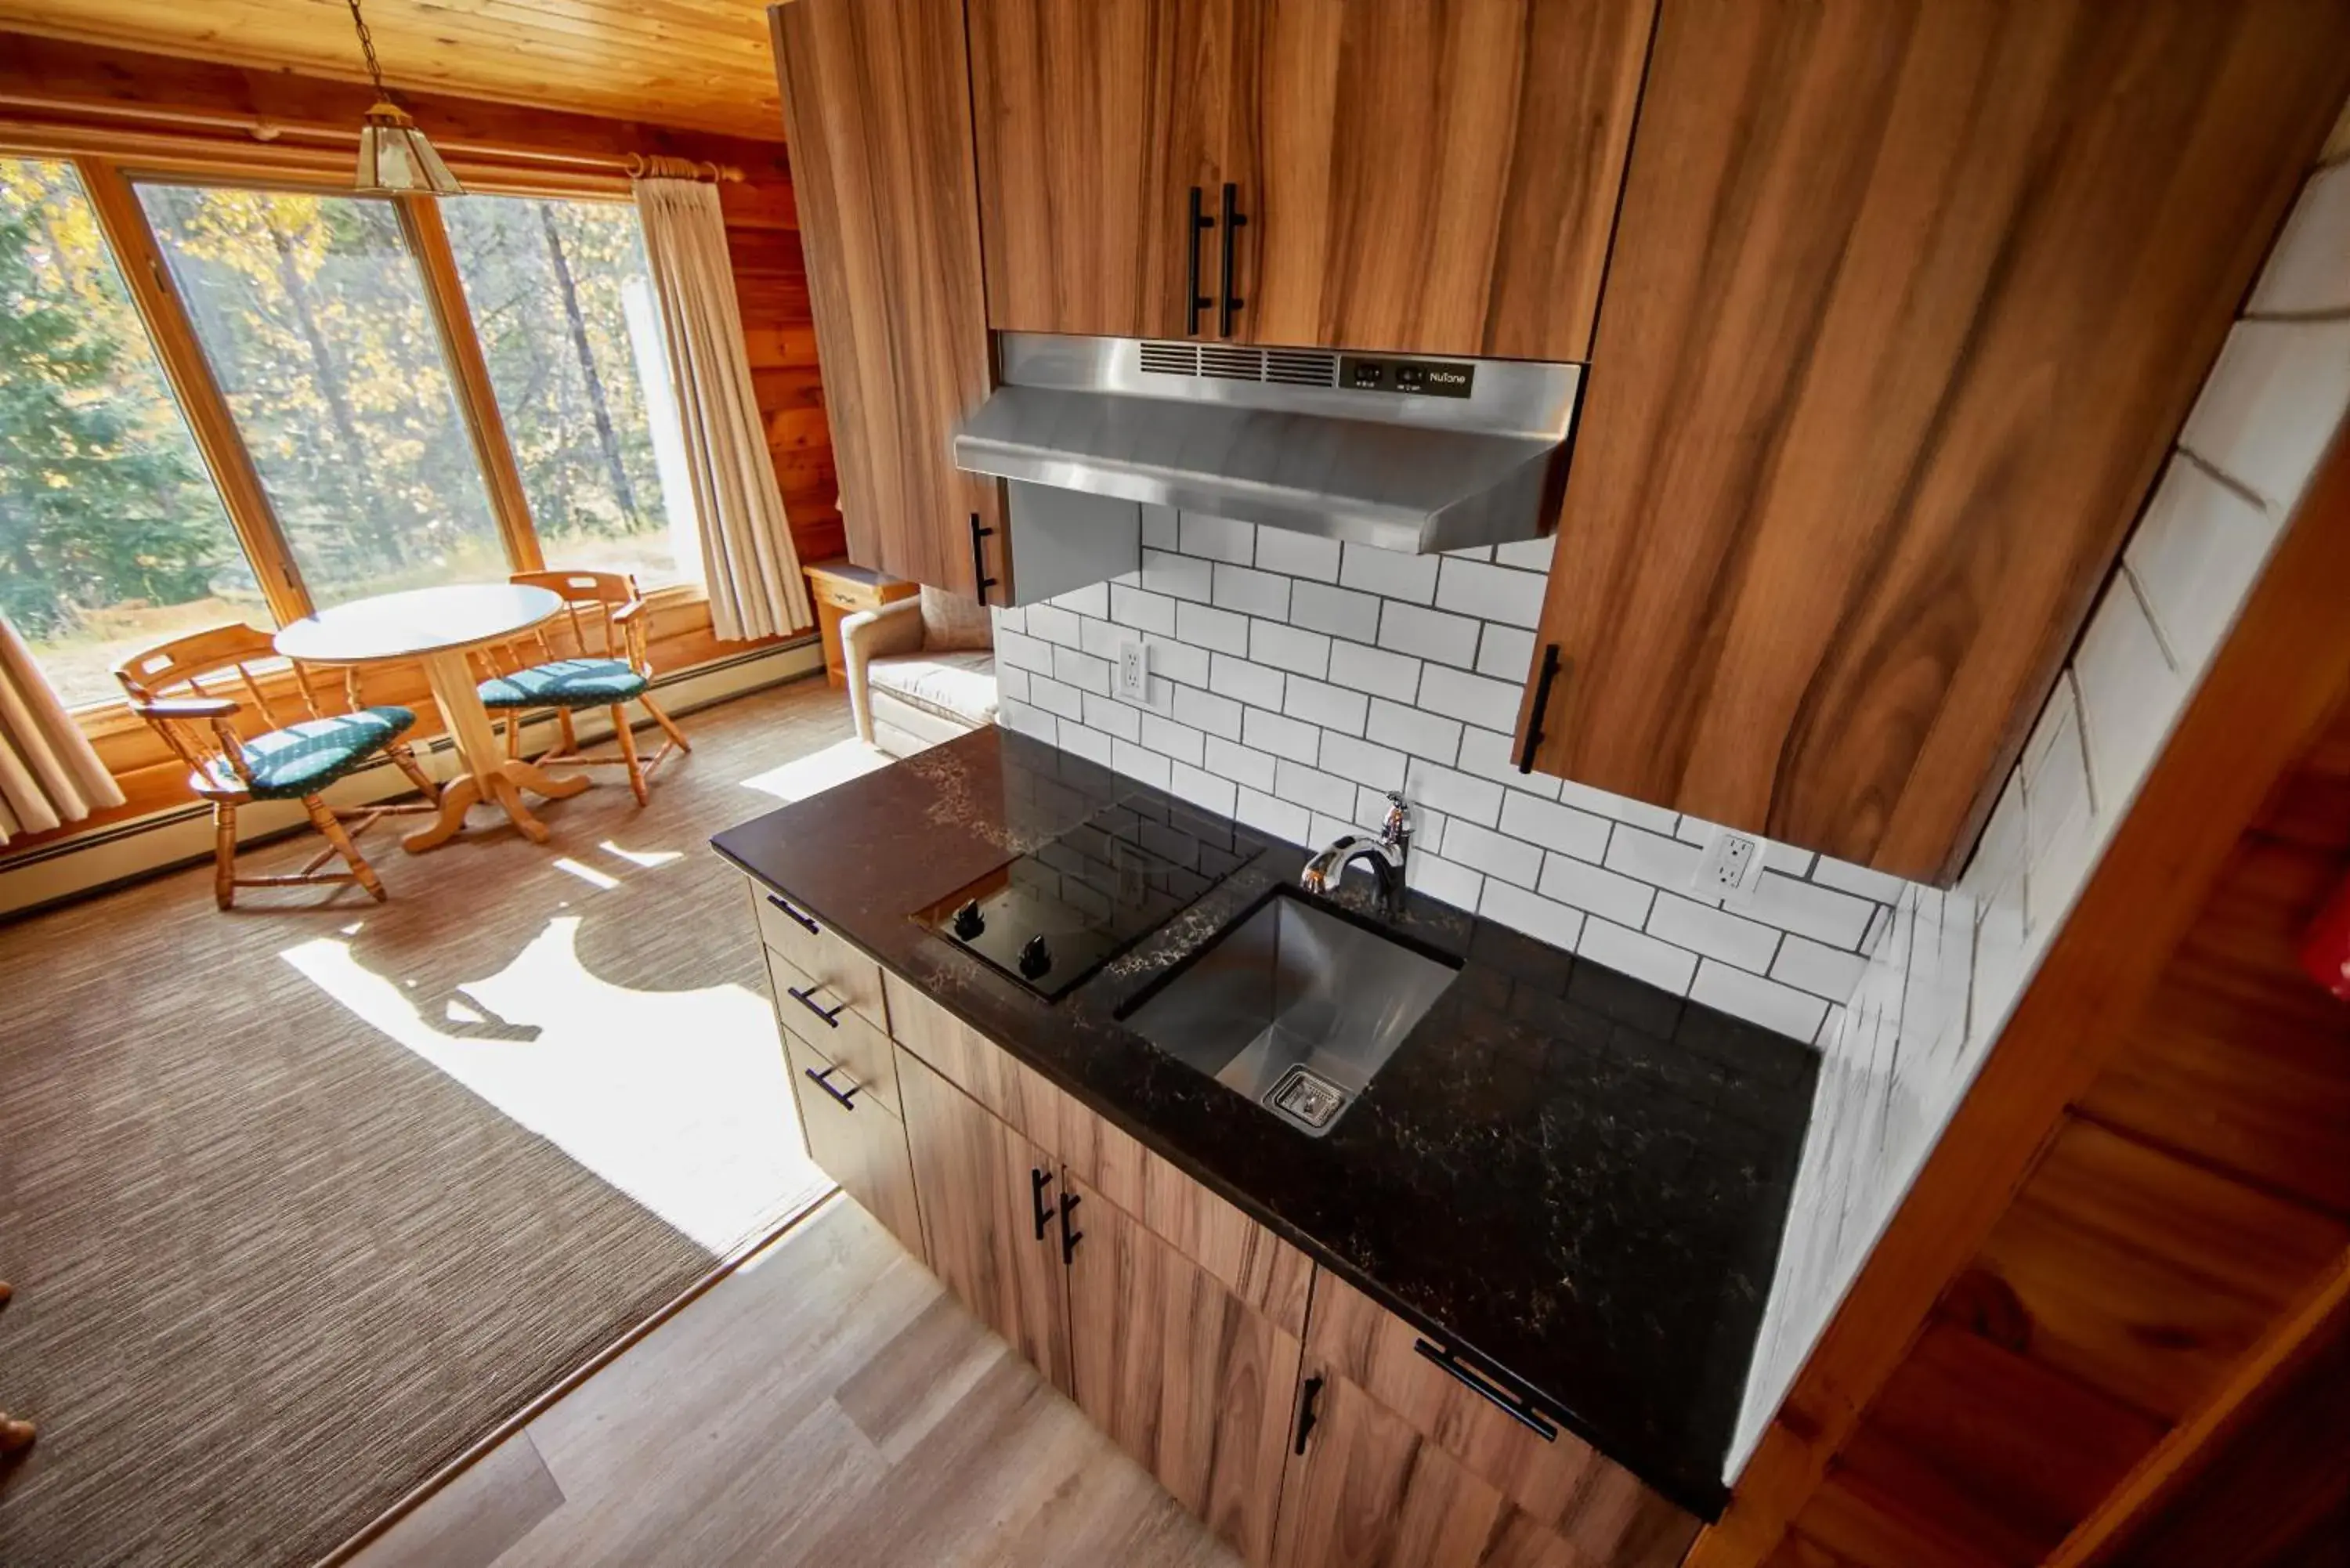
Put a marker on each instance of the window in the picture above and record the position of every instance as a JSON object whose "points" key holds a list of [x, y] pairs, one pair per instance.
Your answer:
{"points": [[565, 317], [112, 535], [313, 317]]}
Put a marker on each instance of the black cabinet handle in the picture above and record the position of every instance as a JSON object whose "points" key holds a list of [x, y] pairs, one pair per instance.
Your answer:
{"points": [[1514, 1406], [1194, 301], [831, 1015], [1037, 1181], [824, 1081], [981, 581], [1069, 1239], [1305, 1416], [1542, 683], [799, 920], [1233, 222]]}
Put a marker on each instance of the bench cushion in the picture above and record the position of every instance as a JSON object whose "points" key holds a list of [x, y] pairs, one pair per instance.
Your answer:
{"points": [[566, 683], [958, 686], [303, 759]]}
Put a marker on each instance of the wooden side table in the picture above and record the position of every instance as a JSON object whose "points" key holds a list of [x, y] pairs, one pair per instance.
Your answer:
{"points": [[839, 588]]}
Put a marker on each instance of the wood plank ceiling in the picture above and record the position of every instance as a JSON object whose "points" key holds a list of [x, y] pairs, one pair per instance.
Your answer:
{"points": [[704, 64]]}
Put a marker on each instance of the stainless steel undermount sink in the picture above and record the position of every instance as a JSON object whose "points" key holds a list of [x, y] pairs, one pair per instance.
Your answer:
{"points": [[1296, 1006]]}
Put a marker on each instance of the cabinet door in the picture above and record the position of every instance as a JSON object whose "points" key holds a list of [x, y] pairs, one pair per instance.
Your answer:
{"points": [[853, 1138], [1438, 175], [876, 104], [1096, 120], [989, 1211], [1186, 1378], [1907, 303]]}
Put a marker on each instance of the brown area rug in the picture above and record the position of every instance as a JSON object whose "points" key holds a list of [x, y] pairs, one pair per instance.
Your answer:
{"points": [[273, 1267]]}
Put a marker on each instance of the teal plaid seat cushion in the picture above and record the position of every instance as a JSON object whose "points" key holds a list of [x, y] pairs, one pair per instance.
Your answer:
{"points": [[303, 759], [566, 683]]}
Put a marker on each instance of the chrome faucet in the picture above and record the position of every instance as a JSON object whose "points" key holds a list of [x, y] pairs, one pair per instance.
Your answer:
{"points": [[1386, 855]]}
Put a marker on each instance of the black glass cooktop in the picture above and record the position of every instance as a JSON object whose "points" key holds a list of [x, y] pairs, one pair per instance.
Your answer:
{"points": [[1052, 917]]}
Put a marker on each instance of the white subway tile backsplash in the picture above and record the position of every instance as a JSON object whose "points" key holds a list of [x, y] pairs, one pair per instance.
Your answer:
{"points": [[1642, 957], [1488, 753], [2195, 553], [1444, 880], [1082, 671], [2130, 693], [1181, 742], [1506, 653], [1471, 699], [1278, 817], [1220, 632], [1652, 857], [1177, 661], [2309, 271], [1028, 720], [1242, 764], [1216, 538], [1297, 555], [1251, 592], [1179, 576], [2270, 405], [1134, 761], [1389, 574], [1054, 624], [1341, 612], [1113, 718], [1759, 1000], [1204, 710], [1622, 808], [1393, 676], [1827, 972], [1482, 849], [1714, 933], [1841, 875], [1142, 609], [1586, 887], [1489, 593], [1410, 730], [1314, 789], [1159, 530], [1100, 638], [1331, 707], [1428, 634], [1454, 794], [1093, 599], [1527, 555], [1087, 742], [1056, 698], [1282, 737], [1286, 647], [1204, 789], [1808, 909], [1010, 681], [1374, 767], [1537, 917], [1245, 683], [1023, 653], [1555, 826]]}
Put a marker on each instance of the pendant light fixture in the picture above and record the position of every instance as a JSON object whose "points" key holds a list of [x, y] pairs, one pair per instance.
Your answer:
{"points": [[395, 159]]}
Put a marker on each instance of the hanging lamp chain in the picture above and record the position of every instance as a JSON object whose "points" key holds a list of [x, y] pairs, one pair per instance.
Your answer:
{"points": [[367, 46]]}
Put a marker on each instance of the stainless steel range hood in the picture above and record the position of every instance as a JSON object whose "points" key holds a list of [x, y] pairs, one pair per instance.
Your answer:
{"points": [[1402, 451]]}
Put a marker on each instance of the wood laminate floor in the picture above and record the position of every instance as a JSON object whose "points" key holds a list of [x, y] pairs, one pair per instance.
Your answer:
{"points": [[829, 1406]]}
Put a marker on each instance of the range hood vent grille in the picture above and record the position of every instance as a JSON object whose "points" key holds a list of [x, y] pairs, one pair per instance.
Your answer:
{"points": [[1230, 362]]}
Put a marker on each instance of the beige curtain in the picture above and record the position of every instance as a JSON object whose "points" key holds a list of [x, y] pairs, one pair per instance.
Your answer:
{"points": [[756, 587], [48, 774]]}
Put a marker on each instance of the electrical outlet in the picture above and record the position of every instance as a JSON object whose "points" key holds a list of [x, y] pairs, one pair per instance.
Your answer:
{"points": [[1730, 867], [1134, 669]]}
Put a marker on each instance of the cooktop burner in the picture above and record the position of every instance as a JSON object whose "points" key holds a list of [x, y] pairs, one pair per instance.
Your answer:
{"points": [[1052, 917]]}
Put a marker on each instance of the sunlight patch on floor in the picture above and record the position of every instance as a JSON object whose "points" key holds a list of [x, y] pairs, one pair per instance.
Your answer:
{"points": [[819, 771], [679, 1099]]}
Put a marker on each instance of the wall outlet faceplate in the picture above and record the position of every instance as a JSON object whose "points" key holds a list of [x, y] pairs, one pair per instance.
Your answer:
{"points": [[1730, 867], [1134, 669]]}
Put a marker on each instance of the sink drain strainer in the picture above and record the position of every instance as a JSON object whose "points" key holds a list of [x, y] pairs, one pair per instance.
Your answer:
{"points": [[1307, 1098]]}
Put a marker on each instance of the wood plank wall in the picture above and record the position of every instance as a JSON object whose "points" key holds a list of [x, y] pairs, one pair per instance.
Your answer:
{"points": [[203, 107], [2187, 1204]]}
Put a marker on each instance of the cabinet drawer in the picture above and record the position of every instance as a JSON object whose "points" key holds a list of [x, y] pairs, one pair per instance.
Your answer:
{"points": [[1021, 1096], [847, 1041], [832, 964], [1456, 1403], [858, 1143]]}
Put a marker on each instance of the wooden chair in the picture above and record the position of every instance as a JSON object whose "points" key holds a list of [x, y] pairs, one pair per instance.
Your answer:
{"points": [[607, 666], [179, 687]]}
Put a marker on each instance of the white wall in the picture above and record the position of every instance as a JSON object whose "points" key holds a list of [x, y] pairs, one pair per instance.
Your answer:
{"points": [[1294, 681], [1901, 1055]]}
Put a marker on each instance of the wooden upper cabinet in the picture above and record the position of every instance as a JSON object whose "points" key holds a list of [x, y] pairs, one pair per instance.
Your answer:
{"points": [[877, 105], [1907, 302], [1437, 175]]}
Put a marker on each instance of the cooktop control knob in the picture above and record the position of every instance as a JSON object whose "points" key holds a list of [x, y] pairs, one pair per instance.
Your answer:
{"points": [[1035, 958], [968, 922]]}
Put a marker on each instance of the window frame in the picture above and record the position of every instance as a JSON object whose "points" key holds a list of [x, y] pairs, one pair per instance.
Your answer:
{"points": [[108, 181]]}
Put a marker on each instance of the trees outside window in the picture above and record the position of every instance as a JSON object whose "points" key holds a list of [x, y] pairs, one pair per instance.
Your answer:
{"points": [[112, 535]]}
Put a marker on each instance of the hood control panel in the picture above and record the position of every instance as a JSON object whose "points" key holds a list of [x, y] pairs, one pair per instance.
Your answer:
{"points": [[1414, 378]]}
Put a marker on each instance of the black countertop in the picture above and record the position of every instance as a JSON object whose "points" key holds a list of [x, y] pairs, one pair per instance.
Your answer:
{"points": [[1573, 1174]]}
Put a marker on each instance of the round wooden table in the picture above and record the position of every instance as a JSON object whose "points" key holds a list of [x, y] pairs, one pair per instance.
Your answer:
{"points": [[436, 627]]}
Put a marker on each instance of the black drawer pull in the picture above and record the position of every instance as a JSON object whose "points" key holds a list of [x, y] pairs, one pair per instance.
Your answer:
{"points": [[981, 581], [806, 924], [1513, 1406], [824, 1081], [831, 1015], [1550, 663], [1069, 1239], [1305, 1416], [1233, 223], [1194, 301], [1037, 1181]]}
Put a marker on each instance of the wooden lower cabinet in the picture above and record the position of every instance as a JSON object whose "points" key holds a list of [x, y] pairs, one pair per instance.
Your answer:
{"points": [[990, 1203], [1187, 1379], [856, 1139]]}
